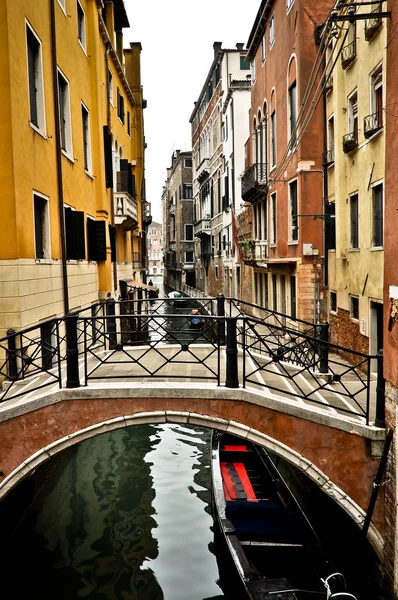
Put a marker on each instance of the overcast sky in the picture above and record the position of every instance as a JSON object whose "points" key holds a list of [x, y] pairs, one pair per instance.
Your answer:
{"points": [[177, 51]]}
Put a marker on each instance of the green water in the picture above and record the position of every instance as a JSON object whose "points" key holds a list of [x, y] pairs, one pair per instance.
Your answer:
{"points": [[126, 515]]}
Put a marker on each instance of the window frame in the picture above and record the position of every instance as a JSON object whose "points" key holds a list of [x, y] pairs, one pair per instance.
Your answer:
{"points": [[186, 257], [62, 4], [289, 4], [354, 310], [40, 126], [66, 131], [87, 150], [81, 27], [110, 86], [264, 48], [273, 139], [374, 244], [186, 239], [354, 223], [120, 106], [333, 302], [293, 112], [273, 223], [376, 84], [45, 226], [272, 30], [293, 222]]}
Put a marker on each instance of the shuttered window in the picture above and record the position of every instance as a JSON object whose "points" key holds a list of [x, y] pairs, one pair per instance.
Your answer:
{"points": [[354, 221], [120, 106], [112, 239], [35, 80], [75, 235], [293, 211], [108, 157], [377, 214], [96, 234]]}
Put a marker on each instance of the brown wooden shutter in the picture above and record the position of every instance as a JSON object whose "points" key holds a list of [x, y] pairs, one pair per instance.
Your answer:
{"points": [[80, 242], [108, 157], [100, 240]]}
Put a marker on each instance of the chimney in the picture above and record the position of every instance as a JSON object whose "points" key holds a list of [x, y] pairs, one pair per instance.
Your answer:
{"points": [[239, 46], [217, 48]]}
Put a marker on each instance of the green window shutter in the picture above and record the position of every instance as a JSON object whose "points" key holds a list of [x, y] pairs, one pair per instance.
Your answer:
{"points": [[70, 234], [80, 241]]}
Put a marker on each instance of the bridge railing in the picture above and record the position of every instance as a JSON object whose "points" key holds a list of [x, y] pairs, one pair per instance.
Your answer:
{"points": [[117, 340]]}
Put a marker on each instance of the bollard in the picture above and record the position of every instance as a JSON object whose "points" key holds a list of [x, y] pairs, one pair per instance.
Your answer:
{"points": [[111, 323], [72, 353], [380, 392], [221, 322], [12, 370], [232, 380], [323, 336]]}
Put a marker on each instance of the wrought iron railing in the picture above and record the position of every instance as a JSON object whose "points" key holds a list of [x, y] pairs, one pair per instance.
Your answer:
{"points": [[350, 141], [348, 54], [328, 157], [372, 124], [152, 339], [253, 177]]}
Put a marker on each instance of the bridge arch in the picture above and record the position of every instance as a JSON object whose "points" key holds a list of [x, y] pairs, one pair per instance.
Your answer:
{"points": [[68, 417]]}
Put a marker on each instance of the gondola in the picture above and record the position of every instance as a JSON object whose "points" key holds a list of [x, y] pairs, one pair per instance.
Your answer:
{"points": [[275, 551]]}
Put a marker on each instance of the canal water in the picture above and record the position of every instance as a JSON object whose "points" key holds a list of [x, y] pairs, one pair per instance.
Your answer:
{"points": [[124, 515]]}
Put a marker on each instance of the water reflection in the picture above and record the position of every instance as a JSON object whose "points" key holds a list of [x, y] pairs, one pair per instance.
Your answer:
{"points": [[100, 530]]}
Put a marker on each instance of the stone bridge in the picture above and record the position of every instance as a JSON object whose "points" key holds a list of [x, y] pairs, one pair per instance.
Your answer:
{"points": [[339, 454]]}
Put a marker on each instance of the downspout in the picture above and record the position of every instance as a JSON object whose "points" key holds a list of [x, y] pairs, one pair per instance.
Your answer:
{"points": [[109, 123], [59, 159]]}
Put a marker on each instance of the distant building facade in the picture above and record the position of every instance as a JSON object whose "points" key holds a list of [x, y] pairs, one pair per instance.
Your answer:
{"points": [[219, 129], [177, 207], [283, 179], [155, 253]]}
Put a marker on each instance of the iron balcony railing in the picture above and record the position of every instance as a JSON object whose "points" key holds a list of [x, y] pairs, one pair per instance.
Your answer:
{"points": [[348, 54], [350, 142], [372, 124], [254, 179], [372, 26], [152, 338], [328, 157]]}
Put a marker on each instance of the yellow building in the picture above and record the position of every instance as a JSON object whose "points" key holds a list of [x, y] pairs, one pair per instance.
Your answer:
{"points": [[72, 158], [355, 158]]}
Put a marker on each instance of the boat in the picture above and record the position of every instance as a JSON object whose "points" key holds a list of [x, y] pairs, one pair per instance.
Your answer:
{"points": [[275, 552]]}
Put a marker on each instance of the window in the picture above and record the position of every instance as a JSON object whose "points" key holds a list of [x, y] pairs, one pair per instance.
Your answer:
{"points": [[353, 116], [377, 216], [244, 65], [272, 30], [216, 271], [86, 139], [376, 95], [128, 123], [293, 114], [254, 69], [62, 4], [354, 308], [35, 80], [293, 297], [293, 211], [354, 221], [189, 256], [187, 192], [273, 139], [74, 234], [274, 292], [81, 26], [96, 239], [333, 302], [289, 4], [64, 114], [189, 233], [120, 106], [330, 141], [42, 226], [273, 219], [110, 85], [188, 163], [264, 48]]}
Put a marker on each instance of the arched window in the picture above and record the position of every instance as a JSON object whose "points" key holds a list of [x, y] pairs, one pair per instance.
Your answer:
{"points": [[273, 130]]}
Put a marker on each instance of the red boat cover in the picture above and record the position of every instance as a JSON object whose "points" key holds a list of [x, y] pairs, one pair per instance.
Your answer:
{"points": [[236, 480]]}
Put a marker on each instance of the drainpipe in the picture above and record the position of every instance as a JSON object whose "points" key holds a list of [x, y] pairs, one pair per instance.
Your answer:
{"points": [[59, 159], [109, 123]]}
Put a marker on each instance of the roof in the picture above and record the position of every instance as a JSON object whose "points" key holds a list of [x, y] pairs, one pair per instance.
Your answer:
{"points": [[258, 28]]}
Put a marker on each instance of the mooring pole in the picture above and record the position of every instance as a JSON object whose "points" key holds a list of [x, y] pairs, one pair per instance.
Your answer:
{"points": [[377, 482]]}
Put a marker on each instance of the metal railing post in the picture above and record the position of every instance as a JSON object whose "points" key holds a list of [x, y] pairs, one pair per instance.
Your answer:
{"points": [[221, 322], [323, 336], [111, 323], [12, 371], [72, 353], [380, 392], [232, 380]]}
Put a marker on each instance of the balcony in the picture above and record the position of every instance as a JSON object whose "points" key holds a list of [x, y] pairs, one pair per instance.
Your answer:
{"points": [[328, 157], [372, 26], [350, 142], [203, 170], [147, 213], [254, 180], [125, 207], [203, 226], [348, 54], [254, 252], [372, 124]]}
